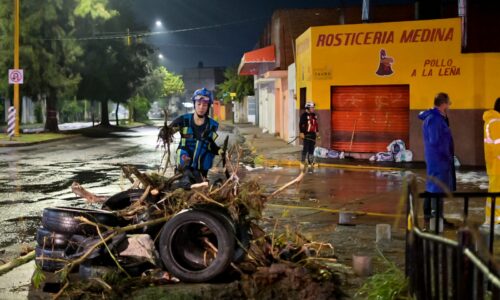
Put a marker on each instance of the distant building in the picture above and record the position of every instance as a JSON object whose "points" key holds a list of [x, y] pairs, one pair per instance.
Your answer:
{"points": [[201, 76]]}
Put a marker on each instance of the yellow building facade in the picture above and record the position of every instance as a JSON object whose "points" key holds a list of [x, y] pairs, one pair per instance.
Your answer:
{"points": [[370, 81]]}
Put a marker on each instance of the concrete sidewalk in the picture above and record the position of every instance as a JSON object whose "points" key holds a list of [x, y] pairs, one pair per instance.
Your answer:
{"points": [[275, 151]]}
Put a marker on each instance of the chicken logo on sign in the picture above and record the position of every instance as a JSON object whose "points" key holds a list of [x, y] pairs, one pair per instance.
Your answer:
{"points": [[385, 65]]}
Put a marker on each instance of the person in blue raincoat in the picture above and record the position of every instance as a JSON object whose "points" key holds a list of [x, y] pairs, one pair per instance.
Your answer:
{"points": [[439, 155], [197, 147]]}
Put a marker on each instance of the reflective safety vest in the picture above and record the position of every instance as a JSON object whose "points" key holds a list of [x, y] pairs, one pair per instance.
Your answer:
{"points": [[192, 152], [492, 141]]}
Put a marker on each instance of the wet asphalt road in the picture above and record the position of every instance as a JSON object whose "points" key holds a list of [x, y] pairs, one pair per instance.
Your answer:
{"points": [[39, 176]]}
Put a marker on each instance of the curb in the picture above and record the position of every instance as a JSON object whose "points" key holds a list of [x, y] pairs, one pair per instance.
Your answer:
{"points": [[21, 144], [336, 211], [290, 163]]}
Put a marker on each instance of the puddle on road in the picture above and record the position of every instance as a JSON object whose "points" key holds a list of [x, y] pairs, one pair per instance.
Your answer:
{"points": [[19, 230], [336, 188]]}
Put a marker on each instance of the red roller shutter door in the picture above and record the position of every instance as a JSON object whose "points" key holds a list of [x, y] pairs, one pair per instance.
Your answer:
{"points": [[370, 116]]}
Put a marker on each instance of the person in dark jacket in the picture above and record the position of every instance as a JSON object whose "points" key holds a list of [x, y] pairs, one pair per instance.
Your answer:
{"points": [[309, 129], [197, 147], [439, 155]]}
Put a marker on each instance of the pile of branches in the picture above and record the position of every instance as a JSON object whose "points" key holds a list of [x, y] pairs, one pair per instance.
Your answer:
{"points": [[270, 256]]}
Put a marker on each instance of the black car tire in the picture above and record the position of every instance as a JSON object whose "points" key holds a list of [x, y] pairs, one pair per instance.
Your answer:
{"points": [[50, 260], [49, 239], [62, 220], [240, 231], [180, 250], [123, 199]]}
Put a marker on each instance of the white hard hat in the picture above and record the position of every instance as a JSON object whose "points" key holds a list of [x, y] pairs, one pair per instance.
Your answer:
{"points": [[309, 104]]}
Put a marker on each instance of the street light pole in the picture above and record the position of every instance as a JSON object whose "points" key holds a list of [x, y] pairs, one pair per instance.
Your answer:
{"points": [[16, 64]]}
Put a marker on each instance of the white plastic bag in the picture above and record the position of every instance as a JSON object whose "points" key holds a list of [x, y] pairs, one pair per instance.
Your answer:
{"points": [[404, 156], [333, 154], [321, 152], [396, 146], [384, 156]]}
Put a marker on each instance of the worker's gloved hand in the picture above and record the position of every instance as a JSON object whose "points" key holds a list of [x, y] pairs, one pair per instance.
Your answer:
{"points": [[221, 152], [301, 136], [318, 137]]}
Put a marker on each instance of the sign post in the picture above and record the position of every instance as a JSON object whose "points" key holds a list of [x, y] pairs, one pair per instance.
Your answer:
{"points": [[16, 76], [11, 122]]}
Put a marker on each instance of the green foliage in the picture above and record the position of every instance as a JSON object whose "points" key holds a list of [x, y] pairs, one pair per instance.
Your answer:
{"points": [[241, 85], [38, 277], [172, 84], [97, 9], [140, 107], [71, 111], [38, 112], [113, 68], [259, 160], [49, 51], [161, 83], [389, 285]]}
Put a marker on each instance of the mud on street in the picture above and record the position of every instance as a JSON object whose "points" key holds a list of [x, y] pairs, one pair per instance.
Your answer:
{"points": [[35, 177]]}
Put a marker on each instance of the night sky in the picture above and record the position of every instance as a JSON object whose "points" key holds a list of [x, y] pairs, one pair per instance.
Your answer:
{"points": [[225, 44]]}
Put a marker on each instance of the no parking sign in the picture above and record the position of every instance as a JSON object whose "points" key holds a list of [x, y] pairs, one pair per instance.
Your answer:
{"points": [[16, 76]]}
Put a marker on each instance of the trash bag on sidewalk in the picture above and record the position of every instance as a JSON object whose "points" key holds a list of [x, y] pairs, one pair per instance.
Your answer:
{"points": [[396, 146], [333, 154], [404, 156], [321, 152], [382, 156]]}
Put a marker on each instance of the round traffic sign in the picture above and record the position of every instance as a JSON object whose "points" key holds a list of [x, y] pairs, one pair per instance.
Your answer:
{"points": [[15, 76]]}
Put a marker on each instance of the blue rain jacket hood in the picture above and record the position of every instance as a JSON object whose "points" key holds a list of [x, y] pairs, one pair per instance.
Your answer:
{"points": [[439, 152]]}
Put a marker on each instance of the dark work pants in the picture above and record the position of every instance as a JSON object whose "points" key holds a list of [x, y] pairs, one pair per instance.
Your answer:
{"points": [[308, 149], [430, 207]]}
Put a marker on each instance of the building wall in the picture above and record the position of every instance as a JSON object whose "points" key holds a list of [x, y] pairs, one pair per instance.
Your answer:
{"points": [[288, 24], [267, 116], [207, 77], [428, 62], [292, 130], [280, 108]]}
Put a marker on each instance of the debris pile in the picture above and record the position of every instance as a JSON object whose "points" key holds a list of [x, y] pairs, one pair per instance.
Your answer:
{"points": [[156, 234]]}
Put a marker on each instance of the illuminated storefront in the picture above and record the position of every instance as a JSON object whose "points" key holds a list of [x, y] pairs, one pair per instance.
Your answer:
{"points": [[370, 81]]}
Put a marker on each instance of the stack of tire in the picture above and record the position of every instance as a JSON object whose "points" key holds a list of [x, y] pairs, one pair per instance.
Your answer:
{"points": [[61, 234], [183, 245]]}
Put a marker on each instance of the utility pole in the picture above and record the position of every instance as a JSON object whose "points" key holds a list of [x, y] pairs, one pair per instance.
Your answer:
{"points": [[16, 64]]}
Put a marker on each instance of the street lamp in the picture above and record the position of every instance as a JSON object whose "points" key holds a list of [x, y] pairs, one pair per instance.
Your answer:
{"points": [[158, 23], [160, 56]]}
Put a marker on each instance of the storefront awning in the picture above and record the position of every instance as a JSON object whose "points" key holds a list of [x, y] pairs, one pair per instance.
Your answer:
{"points": [[252, 62]]}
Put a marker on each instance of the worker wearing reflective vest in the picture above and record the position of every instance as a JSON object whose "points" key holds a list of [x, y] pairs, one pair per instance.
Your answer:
{"points": [[197, 147], [309, 129], [492, 156]]}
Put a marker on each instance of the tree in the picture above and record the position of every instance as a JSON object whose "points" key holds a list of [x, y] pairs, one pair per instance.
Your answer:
{"points": [[113, 68], [49, 52], [140, 107], [234, 83], [161, 83], [172, 84], [158, 84], [6, 44]]}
